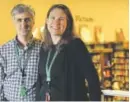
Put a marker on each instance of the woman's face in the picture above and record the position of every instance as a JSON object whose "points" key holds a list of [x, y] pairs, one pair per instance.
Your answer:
{"points": [[57, 22]]}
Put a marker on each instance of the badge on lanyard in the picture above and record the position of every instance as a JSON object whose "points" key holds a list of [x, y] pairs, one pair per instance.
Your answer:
{"points": [[47, 97], [47, 94], [23, 91], [48, 74]]}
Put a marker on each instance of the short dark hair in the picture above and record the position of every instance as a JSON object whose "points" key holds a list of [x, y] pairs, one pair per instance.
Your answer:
{"points": [[68, 33]]}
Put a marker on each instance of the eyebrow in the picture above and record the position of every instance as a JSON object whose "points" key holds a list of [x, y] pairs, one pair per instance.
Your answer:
{"points": [[59, 17]]}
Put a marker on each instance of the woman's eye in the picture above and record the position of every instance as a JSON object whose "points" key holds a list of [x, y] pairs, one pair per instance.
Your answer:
{"points": [[62, 18]]}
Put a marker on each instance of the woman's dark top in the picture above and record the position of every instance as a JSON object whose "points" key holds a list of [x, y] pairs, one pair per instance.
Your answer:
{"points": [[69, 70]]}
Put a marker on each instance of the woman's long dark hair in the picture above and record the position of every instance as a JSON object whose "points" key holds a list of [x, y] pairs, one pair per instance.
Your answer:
{"points": [[68, 34]]}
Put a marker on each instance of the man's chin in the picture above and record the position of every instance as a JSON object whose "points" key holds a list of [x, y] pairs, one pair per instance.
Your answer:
{"points": [[26, 33]]}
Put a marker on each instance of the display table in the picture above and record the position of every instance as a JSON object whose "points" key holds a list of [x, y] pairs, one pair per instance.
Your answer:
{"points": [[115, 93]]}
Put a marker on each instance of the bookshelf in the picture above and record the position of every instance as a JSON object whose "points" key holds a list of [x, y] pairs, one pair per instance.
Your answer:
{"points": [[111, 61]]}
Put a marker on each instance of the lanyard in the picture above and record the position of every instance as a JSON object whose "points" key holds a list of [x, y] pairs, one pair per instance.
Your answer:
{"points": [[49, 67], [23, 90], [19, 59]]}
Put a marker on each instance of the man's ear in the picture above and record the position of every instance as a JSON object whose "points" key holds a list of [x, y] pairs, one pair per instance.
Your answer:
{"points": [[33, 21]]}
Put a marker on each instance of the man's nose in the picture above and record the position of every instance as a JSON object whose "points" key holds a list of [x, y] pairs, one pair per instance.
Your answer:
{"points": [[23, 23]]}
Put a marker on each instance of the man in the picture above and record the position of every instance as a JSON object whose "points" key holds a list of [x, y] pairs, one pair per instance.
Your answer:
{"points": [[19, 58]]}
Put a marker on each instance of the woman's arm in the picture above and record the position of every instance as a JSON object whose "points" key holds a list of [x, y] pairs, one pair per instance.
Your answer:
{"points": [[84, 62]]}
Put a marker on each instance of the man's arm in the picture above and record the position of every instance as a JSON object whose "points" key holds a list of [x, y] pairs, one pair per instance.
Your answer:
{"points": [[1, 76]]}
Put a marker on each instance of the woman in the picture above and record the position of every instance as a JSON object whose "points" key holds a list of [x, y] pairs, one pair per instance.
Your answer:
{"points": [[65, 62]]}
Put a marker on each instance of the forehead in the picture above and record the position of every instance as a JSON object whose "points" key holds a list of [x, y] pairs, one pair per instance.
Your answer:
{"points": [[23, 15], [57, 12]]}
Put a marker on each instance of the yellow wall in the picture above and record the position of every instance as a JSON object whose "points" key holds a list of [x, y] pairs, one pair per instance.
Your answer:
{"points": [[110, 14], [7, 30]]}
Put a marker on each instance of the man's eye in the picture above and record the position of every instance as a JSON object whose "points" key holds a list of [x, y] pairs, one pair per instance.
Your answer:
{"points": [[19, 20], [27, 20]]}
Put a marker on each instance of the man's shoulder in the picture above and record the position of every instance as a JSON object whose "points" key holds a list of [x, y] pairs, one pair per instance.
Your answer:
{"points": [[7, 44], [6, 48]]}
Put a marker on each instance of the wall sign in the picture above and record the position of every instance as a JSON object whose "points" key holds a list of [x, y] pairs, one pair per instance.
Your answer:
{"points": [[83, 19]]}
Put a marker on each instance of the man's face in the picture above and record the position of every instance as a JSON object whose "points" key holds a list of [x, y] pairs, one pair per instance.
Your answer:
{"points": [[24, 23]]}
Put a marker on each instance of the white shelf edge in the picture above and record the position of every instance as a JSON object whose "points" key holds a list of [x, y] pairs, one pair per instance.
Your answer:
{"points": [[116, 93]]}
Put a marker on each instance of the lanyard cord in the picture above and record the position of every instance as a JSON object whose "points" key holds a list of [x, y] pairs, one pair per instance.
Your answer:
{"points": [[19, 58], [49, 67]]}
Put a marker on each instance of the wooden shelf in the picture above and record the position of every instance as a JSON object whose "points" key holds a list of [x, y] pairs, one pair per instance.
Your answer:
{"points": [[108, 55], [105, 50]]}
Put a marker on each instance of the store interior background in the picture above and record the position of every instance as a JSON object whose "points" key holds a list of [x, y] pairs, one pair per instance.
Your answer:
{"points": [[108, 14]]}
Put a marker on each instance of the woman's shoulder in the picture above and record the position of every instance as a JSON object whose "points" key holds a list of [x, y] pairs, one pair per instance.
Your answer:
{"points": [[77, 45], [75, 42]]}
